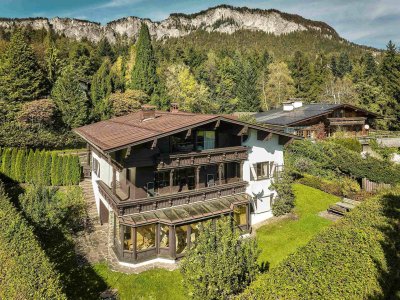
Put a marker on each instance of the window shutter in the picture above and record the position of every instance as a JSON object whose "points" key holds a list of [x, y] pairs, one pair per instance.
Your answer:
{"points": [[253, 172]]}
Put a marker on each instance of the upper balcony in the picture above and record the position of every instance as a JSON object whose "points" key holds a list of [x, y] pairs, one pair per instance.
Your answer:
{"points": [[203, 157]]}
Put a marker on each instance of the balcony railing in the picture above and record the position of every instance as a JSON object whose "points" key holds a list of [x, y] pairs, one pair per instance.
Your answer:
{"points": [[347, 121], [211, 156], [140, 205]]}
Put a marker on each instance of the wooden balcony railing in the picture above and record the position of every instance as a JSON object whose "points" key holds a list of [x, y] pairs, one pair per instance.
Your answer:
{"points": [[146, 204], [205, 157], [347, 121]]}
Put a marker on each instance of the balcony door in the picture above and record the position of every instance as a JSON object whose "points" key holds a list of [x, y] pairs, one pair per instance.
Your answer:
{"points": [[205, 139]]}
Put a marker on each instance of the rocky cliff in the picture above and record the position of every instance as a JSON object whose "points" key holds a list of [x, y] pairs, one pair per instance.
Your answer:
{"points": [[224, 19]]}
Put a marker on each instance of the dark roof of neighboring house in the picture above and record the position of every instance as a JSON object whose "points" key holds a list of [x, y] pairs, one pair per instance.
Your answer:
{"points": [[129, 130], [307, 111]]}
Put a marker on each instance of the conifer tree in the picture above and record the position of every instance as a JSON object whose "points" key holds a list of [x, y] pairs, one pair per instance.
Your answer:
{"points": [[301, 74], [100, 91], [144, 75], [14, 154], [344, 65], [390, 70], [20, 75], [70, 99], [76, 170], [62, 161], [54, 169], [20, 166], [47, 168], [36, 167], [30, 166], [6, 162]]}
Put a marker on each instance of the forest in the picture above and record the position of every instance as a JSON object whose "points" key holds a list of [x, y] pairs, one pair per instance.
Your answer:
{"points": [[50, 84]]}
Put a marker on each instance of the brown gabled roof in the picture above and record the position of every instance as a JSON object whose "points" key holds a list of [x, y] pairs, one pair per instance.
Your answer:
{"points": [[121, 132]]}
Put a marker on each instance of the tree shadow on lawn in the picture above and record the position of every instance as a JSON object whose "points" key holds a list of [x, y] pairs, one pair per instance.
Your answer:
{"points": [[79, 279]]}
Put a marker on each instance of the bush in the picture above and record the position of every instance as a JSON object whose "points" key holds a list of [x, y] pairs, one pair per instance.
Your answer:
{"points": [[349, 143], [6, 162], [284, 202], [355, 259], [26, 272], [221, 264]]}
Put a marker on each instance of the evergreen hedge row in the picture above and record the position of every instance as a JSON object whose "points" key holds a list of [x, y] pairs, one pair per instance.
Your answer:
{"points": [[25, 271], [40, 167], [357, 258]]}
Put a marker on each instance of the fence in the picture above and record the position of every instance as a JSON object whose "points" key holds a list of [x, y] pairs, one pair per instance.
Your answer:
{"points": [[371, 186]]}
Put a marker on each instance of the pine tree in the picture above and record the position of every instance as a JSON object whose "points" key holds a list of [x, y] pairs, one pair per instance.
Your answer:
{"points": [[6, 162], [344, 65], [144, 75], [14, 154], [301, 74], [100, 91], [30, 162], [70, 99], [104, 49], [370, 67], [20, 75], [390, 70], [52, 60]]}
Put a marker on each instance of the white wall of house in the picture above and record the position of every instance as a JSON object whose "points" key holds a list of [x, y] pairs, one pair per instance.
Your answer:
{"points": [[260, 151], [105, 176]]}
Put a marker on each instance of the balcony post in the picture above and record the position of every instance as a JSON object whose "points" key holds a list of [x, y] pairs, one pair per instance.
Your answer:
{"points": [[114, 181], [220, 166], [197, 177], [241, 170], [171, 180]]}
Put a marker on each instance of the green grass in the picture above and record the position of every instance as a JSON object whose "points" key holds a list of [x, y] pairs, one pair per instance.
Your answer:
{"points": [[278, 240], [153, 284]]}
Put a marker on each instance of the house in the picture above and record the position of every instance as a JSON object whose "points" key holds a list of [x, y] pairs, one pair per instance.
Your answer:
{"points": [[157, 175], [311, 120]]}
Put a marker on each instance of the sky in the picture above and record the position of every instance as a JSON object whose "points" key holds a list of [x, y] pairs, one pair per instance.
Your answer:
{"points": [[366, 22]]}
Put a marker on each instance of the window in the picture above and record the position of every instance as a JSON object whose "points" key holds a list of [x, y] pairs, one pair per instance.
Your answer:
{"points": [[194, 233], [205, 140], [240, 215], [210, 180], [128, 238], [181, 233], [264, 170], [96, 167], [150, 189], [145, 237], [162, 179], [164, 236]]}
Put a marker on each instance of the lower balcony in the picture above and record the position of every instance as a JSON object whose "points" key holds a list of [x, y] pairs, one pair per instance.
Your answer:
{"points": [[164, 201]]}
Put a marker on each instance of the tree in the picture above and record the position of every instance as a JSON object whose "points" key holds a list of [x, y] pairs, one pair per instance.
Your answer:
{"points": [[221, 264], [40, 112], [344, 65], [390, 70], [186, 91], [14, 154], [104, 49], [128, 102], [144, 75], [6, 162], [280, 85], [70, 99], [29, 166], [21, 78], [75, 169], [100, 90], [246, 79], [55, 175], [301, 73], [53, 61], [20, 165], [284, 201], [46, 173]]}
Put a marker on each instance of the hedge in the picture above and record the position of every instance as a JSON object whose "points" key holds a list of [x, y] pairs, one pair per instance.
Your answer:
{"points": [[357, 258], [324, 155], [40, 167], [25, 271]]}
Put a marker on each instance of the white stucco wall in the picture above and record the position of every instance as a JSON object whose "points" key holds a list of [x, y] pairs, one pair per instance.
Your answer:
{"points": [[105, 176], [261, 151]]}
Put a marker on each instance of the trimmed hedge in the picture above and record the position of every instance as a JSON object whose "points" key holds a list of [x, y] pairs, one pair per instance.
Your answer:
{"points": [[40, 167], [25, 271], [349, 143], [324, 155], [357, 258]]}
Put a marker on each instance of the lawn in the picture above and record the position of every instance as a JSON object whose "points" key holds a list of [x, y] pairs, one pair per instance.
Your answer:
{"points": [[153, 284], [278, 240]]}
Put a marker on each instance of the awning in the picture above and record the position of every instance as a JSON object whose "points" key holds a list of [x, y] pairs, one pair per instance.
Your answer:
{"points": [[187, 212]]}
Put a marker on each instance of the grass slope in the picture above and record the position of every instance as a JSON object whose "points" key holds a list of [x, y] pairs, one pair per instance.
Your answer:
{"points": [[278, 240]]}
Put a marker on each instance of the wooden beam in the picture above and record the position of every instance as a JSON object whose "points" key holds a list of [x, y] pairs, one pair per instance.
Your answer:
{"points": [[264, 135], [244, 130], [154, 144], [217, 124], [188, 133], [285, 140], [128, 152]]}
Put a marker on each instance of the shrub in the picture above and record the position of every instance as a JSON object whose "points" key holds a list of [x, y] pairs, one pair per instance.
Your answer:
{"points": [[284, 202], [221, 264], [47, 168], [355, 259], [20, 166], [14, 153], [349, 143], [29, 167], [26, 272], [55, 178], [6, 162]]}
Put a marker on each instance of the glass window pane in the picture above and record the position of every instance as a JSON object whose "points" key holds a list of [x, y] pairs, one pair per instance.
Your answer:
{"points": [[128, 240], [240, 215], [164, 236], [181, 238], [194, 233], [145, 237]]}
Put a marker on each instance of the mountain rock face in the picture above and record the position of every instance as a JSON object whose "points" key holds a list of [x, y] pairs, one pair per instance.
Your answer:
{"points": [[224, 19]]}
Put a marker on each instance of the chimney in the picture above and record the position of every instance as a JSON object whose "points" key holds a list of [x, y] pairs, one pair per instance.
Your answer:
{"points": [[148, 112], [287, 106], [174, 107], [296, 102]]}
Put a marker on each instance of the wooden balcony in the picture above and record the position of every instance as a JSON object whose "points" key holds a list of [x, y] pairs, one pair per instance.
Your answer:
{"points": [[164, 201], [347, 121], [205, 157]]}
